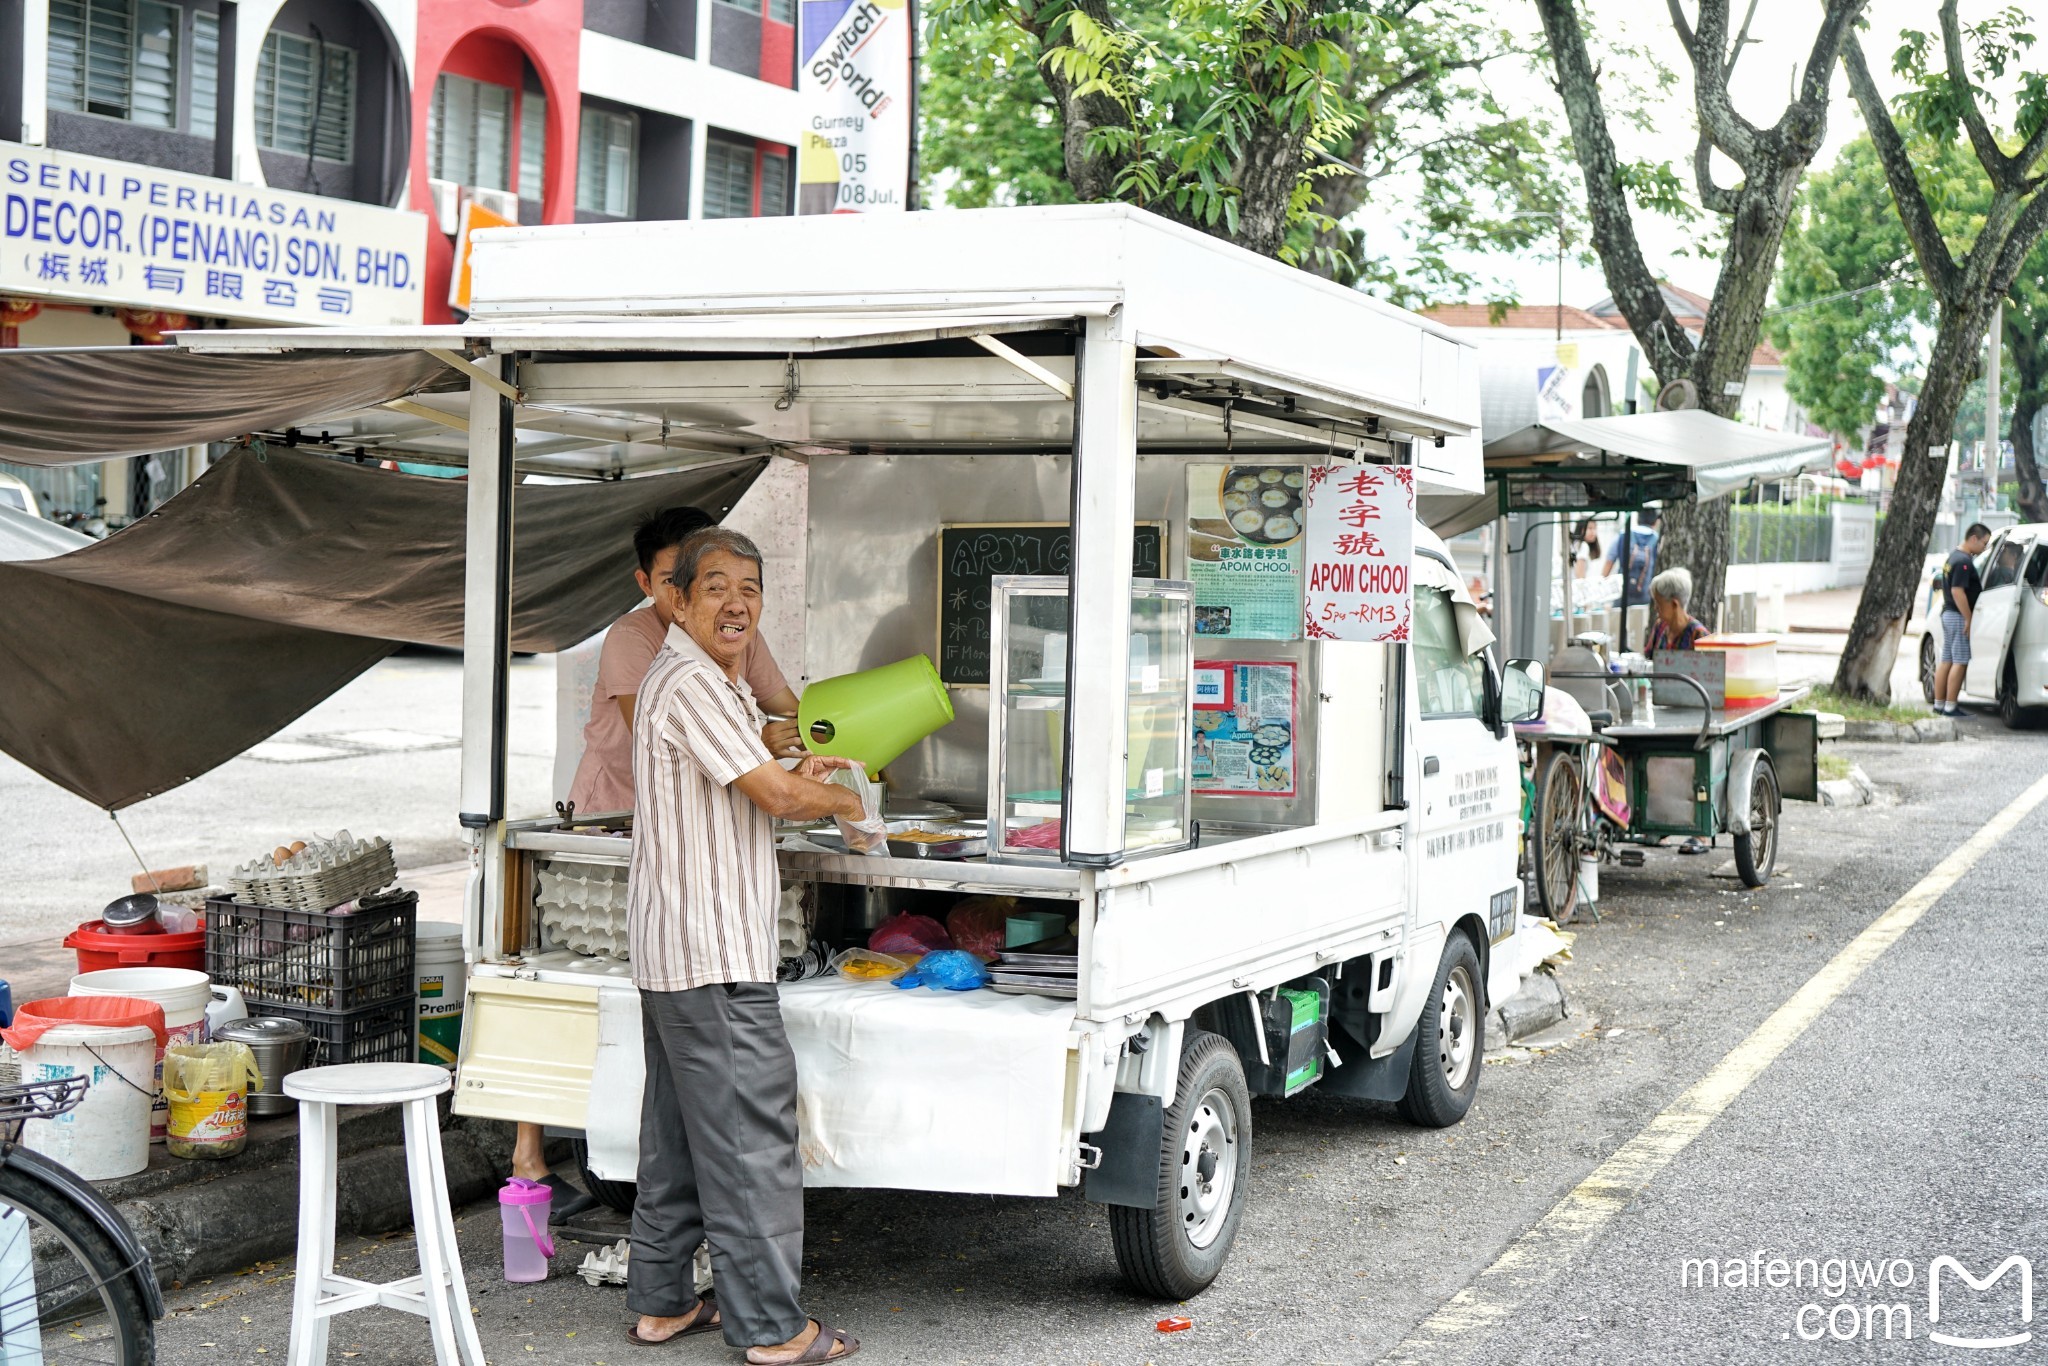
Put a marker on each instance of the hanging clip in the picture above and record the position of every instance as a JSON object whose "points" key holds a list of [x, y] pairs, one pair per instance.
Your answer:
{"points": [[790, 383]]}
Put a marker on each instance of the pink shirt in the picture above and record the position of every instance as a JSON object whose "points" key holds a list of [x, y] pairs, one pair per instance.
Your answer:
{"points": [[604, 776]]}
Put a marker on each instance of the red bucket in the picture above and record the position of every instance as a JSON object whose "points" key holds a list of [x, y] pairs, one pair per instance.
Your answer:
{"points": [[98, 947]]}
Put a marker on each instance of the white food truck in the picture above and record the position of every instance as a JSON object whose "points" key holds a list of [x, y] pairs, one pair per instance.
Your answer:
{"points": [[1019, 442]]}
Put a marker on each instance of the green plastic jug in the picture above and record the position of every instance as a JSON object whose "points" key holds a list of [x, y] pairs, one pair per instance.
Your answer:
{"points": [[876, 714]]}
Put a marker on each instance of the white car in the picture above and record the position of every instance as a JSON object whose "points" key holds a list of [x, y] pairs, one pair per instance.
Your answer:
{"points": [[2009, 632]]}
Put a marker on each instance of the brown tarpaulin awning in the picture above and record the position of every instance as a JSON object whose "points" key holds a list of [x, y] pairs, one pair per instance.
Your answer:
{"points": [[140, 662]]}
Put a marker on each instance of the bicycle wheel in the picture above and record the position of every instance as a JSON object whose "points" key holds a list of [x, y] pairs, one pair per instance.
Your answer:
{"points": [[63, 1280], [1560, 796]]}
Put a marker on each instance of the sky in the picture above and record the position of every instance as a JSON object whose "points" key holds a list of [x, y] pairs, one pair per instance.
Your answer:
{"points": [[1761, 87]]}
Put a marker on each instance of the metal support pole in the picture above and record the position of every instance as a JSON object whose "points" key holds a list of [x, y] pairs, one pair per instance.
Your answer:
{"points": [[1991, 402], [487, 650], [1103, 508]]}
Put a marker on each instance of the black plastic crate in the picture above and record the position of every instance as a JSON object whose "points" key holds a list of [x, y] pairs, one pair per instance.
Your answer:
{"points": [[314, 960], [384, 1032]]}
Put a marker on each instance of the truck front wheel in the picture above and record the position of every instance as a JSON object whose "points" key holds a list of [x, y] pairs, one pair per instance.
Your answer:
{"points": [[1449, 1039], [1175, 1248]]}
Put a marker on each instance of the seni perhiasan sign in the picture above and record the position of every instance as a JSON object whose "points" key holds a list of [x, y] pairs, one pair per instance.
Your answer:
{"points": [[110, 232], [854, 83], [1359, 535]]}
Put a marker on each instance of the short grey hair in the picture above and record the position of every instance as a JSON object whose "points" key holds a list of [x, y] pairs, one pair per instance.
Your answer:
{"points": [[1674, 584], [699, 544]]}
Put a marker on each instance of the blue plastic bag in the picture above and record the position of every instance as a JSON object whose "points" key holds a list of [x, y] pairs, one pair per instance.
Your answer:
{"points": [[946, 970]]}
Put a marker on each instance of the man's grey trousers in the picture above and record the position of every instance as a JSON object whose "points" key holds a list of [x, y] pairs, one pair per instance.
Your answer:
{"points": [[718, 1161]]}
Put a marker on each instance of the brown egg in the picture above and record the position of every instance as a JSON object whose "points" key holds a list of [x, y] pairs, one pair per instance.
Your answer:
{"points": [[279, 855]]}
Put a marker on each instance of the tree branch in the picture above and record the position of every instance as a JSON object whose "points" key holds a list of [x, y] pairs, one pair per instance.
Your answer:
{"points": [[1741, 37], [1731, 132], [1937, 265], [1667, 345], [1685, 38], [2026, 234], [1988, 150], [1714, 198], [1836, 28]]}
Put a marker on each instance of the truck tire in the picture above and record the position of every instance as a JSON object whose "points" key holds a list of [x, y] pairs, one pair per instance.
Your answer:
{"points": [[1553, 834], [1756, 853], [616, 1196], [1449, 1041], [1175, 1248]]}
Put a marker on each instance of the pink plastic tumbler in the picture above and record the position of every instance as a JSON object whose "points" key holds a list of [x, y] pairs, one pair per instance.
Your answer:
{"points": [[523, 1206]]}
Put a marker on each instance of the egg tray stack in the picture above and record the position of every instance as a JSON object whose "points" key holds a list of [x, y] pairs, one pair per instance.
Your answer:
{"points": [[326, 872], [583, 907], [347, 976]]}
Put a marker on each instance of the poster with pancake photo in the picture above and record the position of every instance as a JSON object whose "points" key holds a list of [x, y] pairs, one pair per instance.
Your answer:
{"points": [[1245, 549]]}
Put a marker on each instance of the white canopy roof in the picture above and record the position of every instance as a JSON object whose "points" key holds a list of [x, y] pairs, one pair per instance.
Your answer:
{"points": [[1722, 455]]}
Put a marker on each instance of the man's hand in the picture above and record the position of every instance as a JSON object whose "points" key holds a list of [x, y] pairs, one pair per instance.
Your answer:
{"points": [[819, 768], [782, 737]]}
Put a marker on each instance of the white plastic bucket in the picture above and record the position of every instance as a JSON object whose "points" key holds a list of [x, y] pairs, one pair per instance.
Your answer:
{"points": [[438, 976], [108, 1134], [183, 993]]}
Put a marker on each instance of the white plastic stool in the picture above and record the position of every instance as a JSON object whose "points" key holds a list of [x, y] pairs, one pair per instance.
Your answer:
{"points": [[437, 1294]]}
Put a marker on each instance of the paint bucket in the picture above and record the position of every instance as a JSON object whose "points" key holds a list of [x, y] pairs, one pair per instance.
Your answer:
{"points": [[1589, 881], [98, 947], [107, 1135], [876, 714], [191, 1004], [438, 975]]}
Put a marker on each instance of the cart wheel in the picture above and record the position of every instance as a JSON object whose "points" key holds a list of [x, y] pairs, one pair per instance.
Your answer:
{"points": [[1756, 853], [1554, 828], [616, 1196], [1175, 1248], [1449, 1039], [1927, 665]]}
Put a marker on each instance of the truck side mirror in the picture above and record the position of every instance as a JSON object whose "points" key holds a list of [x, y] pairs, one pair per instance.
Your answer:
{"points": [[1522, 690]]}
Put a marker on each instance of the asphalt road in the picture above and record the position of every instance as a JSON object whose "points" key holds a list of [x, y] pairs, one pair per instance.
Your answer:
{"points": [[1903, 1124]]}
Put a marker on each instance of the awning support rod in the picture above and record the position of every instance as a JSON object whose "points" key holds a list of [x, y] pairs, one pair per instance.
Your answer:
{"points": [[1002, 350], [470, 370], [423, 412]]}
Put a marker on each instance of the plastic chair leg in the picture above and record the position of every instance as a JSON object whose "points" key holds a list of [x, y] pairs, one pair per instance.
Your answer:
{"points": [[316, 1233]]}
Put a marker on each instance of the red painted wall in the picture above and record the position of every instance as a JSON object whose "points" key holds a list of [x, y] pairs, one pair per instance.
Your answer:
{"points": [[484, 40], [778, 53]]}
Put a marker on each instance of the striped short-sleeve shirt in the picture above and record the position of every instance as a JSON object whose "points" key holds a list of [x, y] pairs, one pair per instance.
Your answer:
{"points": [[703, 890]]}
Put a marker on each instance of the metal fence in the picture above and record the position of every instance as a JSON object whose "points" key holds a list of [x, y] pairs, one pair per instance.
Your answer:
{"points": [[1769, 537]]}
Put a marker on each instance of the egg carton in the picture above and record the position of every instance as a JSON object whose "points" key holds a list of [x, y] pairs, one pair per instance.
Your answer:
{"points": [[327, 872], [583, 908]]}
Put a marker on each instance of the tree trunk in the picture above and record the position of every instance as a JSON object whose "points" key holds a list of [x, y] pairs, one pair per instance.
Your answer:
{"points": [[1873, 645], [2025, 459]]}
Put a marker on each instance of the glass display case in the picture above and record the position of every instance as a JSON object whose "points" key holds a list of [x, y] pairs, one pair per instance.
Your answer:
{"points": [[1028, 708]]}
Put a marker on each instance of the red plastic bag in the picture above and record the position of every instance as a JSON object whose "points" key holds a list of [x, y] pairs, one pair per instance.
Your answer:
{"points": [[33, 1019], [979, 923], [907, 933]]}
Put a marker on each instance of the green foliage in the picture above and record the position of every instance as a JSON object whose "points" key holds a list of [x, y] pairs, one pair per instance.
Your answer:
{"points": [[990, 131], [1933, 107]]}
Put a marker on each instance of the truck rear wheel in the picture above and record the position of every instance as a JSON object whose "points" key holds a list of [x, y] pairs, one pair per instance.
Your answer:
{"points": [[1174, 1249], [616, 1196], [1449, 1040]]}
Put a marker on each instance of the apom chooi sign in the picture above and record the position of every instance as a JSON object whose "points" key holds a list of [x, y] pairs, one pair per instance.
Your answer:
{"points": [[84, 228], [1359, 532], [854, 84]]}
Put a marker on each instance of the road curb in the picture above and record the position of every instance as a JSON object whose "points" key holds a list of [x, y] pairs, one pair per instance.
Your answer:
{"points": [[1854, 790], [1928, 730], [1536, 1007]]}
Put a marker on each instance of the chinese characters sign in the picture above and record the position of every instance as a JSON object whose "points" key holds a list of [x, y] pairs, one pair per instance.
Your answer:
{"points": [[853, 151], [1360, 527], [79, 227], [1244, 550]]}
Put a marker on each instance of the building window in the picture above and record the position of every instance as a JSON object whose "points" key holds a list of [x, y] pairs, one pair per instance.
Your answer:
{"points": [[306, 97], [115, 58], [604, 162], [205, 72], [533, 144], [469, 133], [774, 185], [728, 180], [782, 11]]}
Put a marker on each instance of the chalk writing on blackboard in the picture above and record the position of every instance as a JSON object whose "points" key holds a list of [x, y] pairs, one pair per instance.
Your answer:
{"points": [[971, 556]]}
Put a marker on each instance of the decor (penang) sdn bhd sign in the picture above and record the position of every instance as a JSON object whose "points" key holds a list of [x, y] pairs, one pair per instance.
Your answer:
{"points": [[853, 152]]}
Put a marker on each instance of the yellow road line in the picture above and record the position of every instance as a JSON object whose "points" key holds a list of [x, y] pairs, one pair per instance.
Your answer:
{"points": [[1572, 1223]]}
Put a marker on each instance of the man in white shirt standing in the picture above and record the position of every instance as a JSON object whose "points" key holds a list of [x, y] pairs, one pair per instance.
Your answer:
{"points": [[721, 1168]]}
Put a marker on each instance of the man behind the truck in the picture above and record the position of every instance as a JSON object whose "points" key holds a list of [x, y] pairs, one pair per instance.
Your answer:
{"points": [[604, 775], [701, 909], [1960, 586]]}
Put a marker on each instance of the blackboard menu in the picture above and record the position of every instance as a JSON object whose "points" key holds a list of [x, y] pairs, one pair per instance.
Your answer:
{"points": [[971, 556]]}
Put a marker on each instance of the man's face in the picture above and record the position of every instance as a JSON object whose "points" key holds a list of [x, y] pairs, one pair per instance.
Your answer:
{"points": [[654, 583], [1974, 545], [722, 607]]}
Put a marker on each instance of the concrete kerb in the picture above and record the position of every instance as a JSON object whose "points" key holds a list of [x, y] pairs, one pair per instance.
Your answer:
{"points": [[1536, 1007], [1854, 790], [1927, 730]]}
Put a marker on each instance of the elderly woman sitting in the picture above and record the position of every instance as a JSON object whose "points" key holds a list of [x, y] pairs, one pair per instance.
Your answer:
{"points": [[1675, 628]]}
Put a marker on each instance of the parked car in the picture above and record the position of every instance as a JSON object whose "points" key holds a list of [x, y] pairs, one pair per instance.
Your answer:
{"points": [[2009, 632]]}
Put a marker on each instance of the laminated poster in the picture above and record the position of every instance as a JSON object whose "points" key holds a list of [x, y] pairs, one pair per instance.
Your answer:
{"points": [[1244, 727], [1244, 549]]}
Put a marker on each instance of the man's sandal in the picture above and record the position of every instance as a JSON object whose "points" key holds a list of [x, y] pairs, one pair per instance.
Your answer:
{"points": [[821, 1347], [704, 1320]]}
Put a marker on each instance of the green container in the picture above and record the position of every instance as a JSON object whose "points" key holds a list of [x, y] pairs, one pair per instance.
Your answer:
{"points": [[874, 715]]}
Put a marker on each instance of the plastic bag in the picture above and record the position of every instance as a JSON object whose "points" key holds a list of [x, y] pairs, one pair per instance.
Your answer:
{"points": [[979, 924], [907, 933], [208, 1085], [864, 965], [868, 835], [946, 970]]}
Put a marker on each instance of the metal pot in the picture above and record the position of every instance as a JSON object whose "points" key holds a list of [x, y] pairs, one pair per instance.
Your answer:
{"points": [[134, 914], [280, 1049]]}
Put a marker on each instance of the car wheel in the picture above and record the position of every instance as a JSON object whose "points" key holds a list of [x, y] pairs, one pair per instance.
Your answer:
{"points": [[2009, 709], [1173, 1248], [1449, 1041], [1927, 659]]}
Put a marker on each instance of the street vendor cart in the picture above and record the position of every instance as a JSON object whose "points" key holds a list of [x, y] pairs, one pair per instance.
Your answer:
{"points": [[1010, 426]]}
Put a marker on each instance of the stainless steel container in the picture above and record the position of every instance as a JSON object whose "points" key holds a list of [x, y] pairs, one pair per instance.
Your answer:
{"points": [[280, 1049]]}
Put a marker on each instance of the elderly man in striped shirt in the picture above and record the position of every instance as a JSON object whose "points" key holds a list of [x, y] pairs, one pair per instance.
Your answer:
{"points": [[718, 1158]]}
